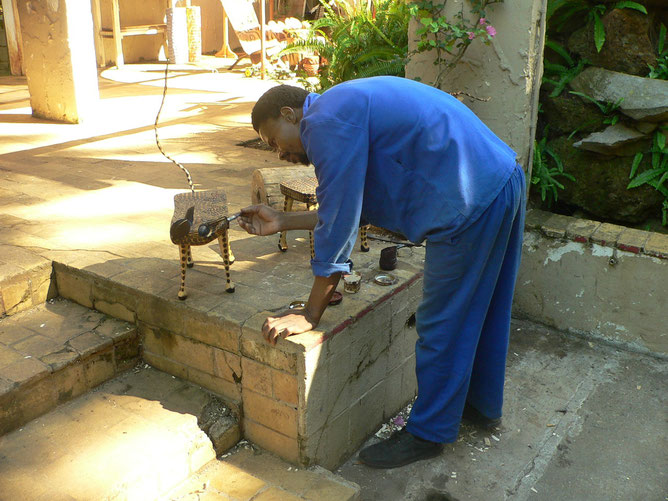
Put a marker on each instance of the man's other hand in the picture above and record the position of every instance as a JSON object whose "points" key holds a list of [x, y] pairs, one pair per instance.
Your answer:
{"points": [[260, 220], [286, 324]]}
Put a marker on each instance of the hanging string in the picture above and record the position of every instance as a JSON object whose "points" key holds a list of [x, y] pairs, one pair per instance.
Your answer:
{"points": [[157, 141]]}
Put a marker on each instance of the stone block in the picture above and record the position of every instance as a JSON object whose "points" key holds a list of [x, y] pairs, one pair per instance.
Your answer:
{"points": [[30, 401], [330, 446], [201, 452], [212, 330], [188, 352], [99, 367], [227, 365], [115, 310], [165, 364], [116, 330], [535, 218], [276, 494], [367, 414], [8, 356], [339, 379], [127, 354], [330, 489], [657, 245], [12, 332], [281, 445], [160, 312], [16, 294], [224, 434], [231, 392], [256, 348], [69, 383], [270, 413], [285, 387], [256, 377], [43, 284], [607, 234], [632, 240], [555, 226], [88, 343], [581, 230], [73, 286], [394, 397], [24, 371], [233, 481], [60, 359]]}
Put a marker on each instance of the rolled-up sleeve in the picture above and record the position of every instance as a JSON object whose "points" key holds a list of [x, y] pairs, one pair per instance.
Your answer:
{"points": [[339, 152]]}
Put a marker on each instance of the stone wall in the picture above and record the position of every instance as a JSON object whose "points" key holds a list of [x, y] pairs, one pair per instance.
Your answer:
{"points": [[599, 279]]}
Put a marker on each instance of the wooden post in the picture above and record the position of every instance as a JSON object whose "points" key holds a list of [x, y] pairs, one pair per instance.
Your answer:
{"points": [[14, 41], [118, 39], [99, 41], [263, 35]]}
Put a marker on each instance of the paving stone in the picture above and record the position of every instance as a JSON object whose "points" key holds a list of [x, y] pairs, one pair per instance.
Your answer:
{"points": [[37, 346], [632, 240], [607, 234], [9, 356], [657, 245], [24, 371]]}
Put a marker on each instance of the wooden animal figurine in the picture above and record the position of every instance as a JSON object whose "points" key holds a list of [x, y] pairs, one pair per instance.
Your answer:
{"points": [[199, 218]]}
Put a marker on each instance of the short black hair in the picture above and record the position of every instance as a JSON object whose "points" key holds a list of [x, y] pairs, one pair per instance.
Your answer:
{"points": [[271, 102]]}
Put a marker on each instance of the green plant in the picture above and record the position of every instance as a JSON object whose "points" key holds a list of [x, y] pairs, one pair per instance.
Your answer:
{"points": [[357, 41], [450, 38], [544, 175], [559, 75], [561, 13], [661, 70], [608, 109], [657, 175]]}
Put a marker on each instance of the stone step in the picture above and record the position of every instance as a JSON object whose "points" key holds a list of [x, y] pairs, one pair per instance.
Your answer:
{"points": [[57, 351], [25, 280], [135, 437], [250, 473]]}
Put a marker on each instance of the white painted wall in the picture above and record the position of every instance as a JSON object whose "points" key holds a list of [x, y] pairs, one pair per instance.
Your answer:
{"points": [[508, 71]]}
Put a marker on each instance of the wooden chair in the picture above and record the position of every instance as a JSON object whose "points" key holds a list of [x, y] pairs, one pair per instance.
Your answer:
{"points": [[241, 16], [117, 32], [303, 190]]}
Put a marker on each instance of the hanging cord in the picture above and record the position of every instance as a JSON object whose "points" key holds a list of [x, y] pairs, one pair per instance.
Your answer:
{"points": [[157, 141]]}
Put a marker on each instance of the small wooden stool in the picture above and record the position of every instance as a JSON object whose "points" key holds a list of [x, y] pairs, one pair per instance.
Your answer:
{"points": [[303, 190], [208, 205]]}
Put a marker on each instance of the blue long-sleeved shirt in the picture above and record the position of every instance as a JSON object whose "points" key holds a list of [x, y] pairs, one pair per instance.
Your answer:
{"points": [[404, 156]]}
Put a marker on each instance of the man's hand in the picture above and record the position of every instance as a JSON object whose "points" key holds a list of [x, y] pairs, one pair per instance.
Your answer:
{"points": [[260, 220], [286, 324]]}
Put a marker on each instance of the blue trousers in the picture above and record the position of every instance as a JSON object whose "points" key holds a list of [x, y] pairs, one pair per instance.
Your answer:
{"points": [[463, 321]]}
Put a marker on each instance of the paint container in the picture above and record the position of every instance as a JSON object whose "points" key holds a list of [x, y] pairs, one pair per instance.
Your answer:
{"points": [[352, 283], [388, 258]]}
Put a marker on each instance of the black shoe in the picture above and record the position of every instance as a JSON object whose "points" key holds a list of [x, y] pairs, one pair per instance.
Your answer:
{"points": [[475, 417], [400, 449]]}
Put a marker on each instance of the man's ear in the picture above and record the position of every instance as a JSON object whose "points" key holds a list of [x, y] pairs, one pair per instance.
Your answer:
{"points": [[289, 114]]}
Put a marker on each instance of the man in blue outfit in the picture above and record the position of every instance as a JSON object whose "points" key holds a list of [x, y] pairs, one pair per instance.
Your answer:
{"points": [[412, 159]]}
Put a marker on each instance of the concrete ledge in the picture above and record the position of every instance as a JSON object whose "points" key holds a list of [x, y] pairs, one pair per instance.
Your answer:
{"points": [[597, 279], [55, 352], [311, 399], [25, 280]]}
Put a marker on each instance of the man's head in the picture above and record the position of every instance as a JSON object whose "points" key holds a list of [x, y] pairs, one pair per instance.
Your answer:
{"points": [[276, 118]]}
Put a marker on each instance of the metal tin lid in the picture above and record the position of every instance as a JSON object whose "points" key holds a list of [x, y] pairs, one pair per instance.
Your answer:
{"points": [[385, 279]]}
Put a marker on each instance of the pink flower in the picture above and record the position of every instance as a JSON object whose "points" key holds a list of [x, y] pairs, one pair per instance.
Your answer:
{"points": [[399, 421], [490, 31], [471, 35], [483, 20]]}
